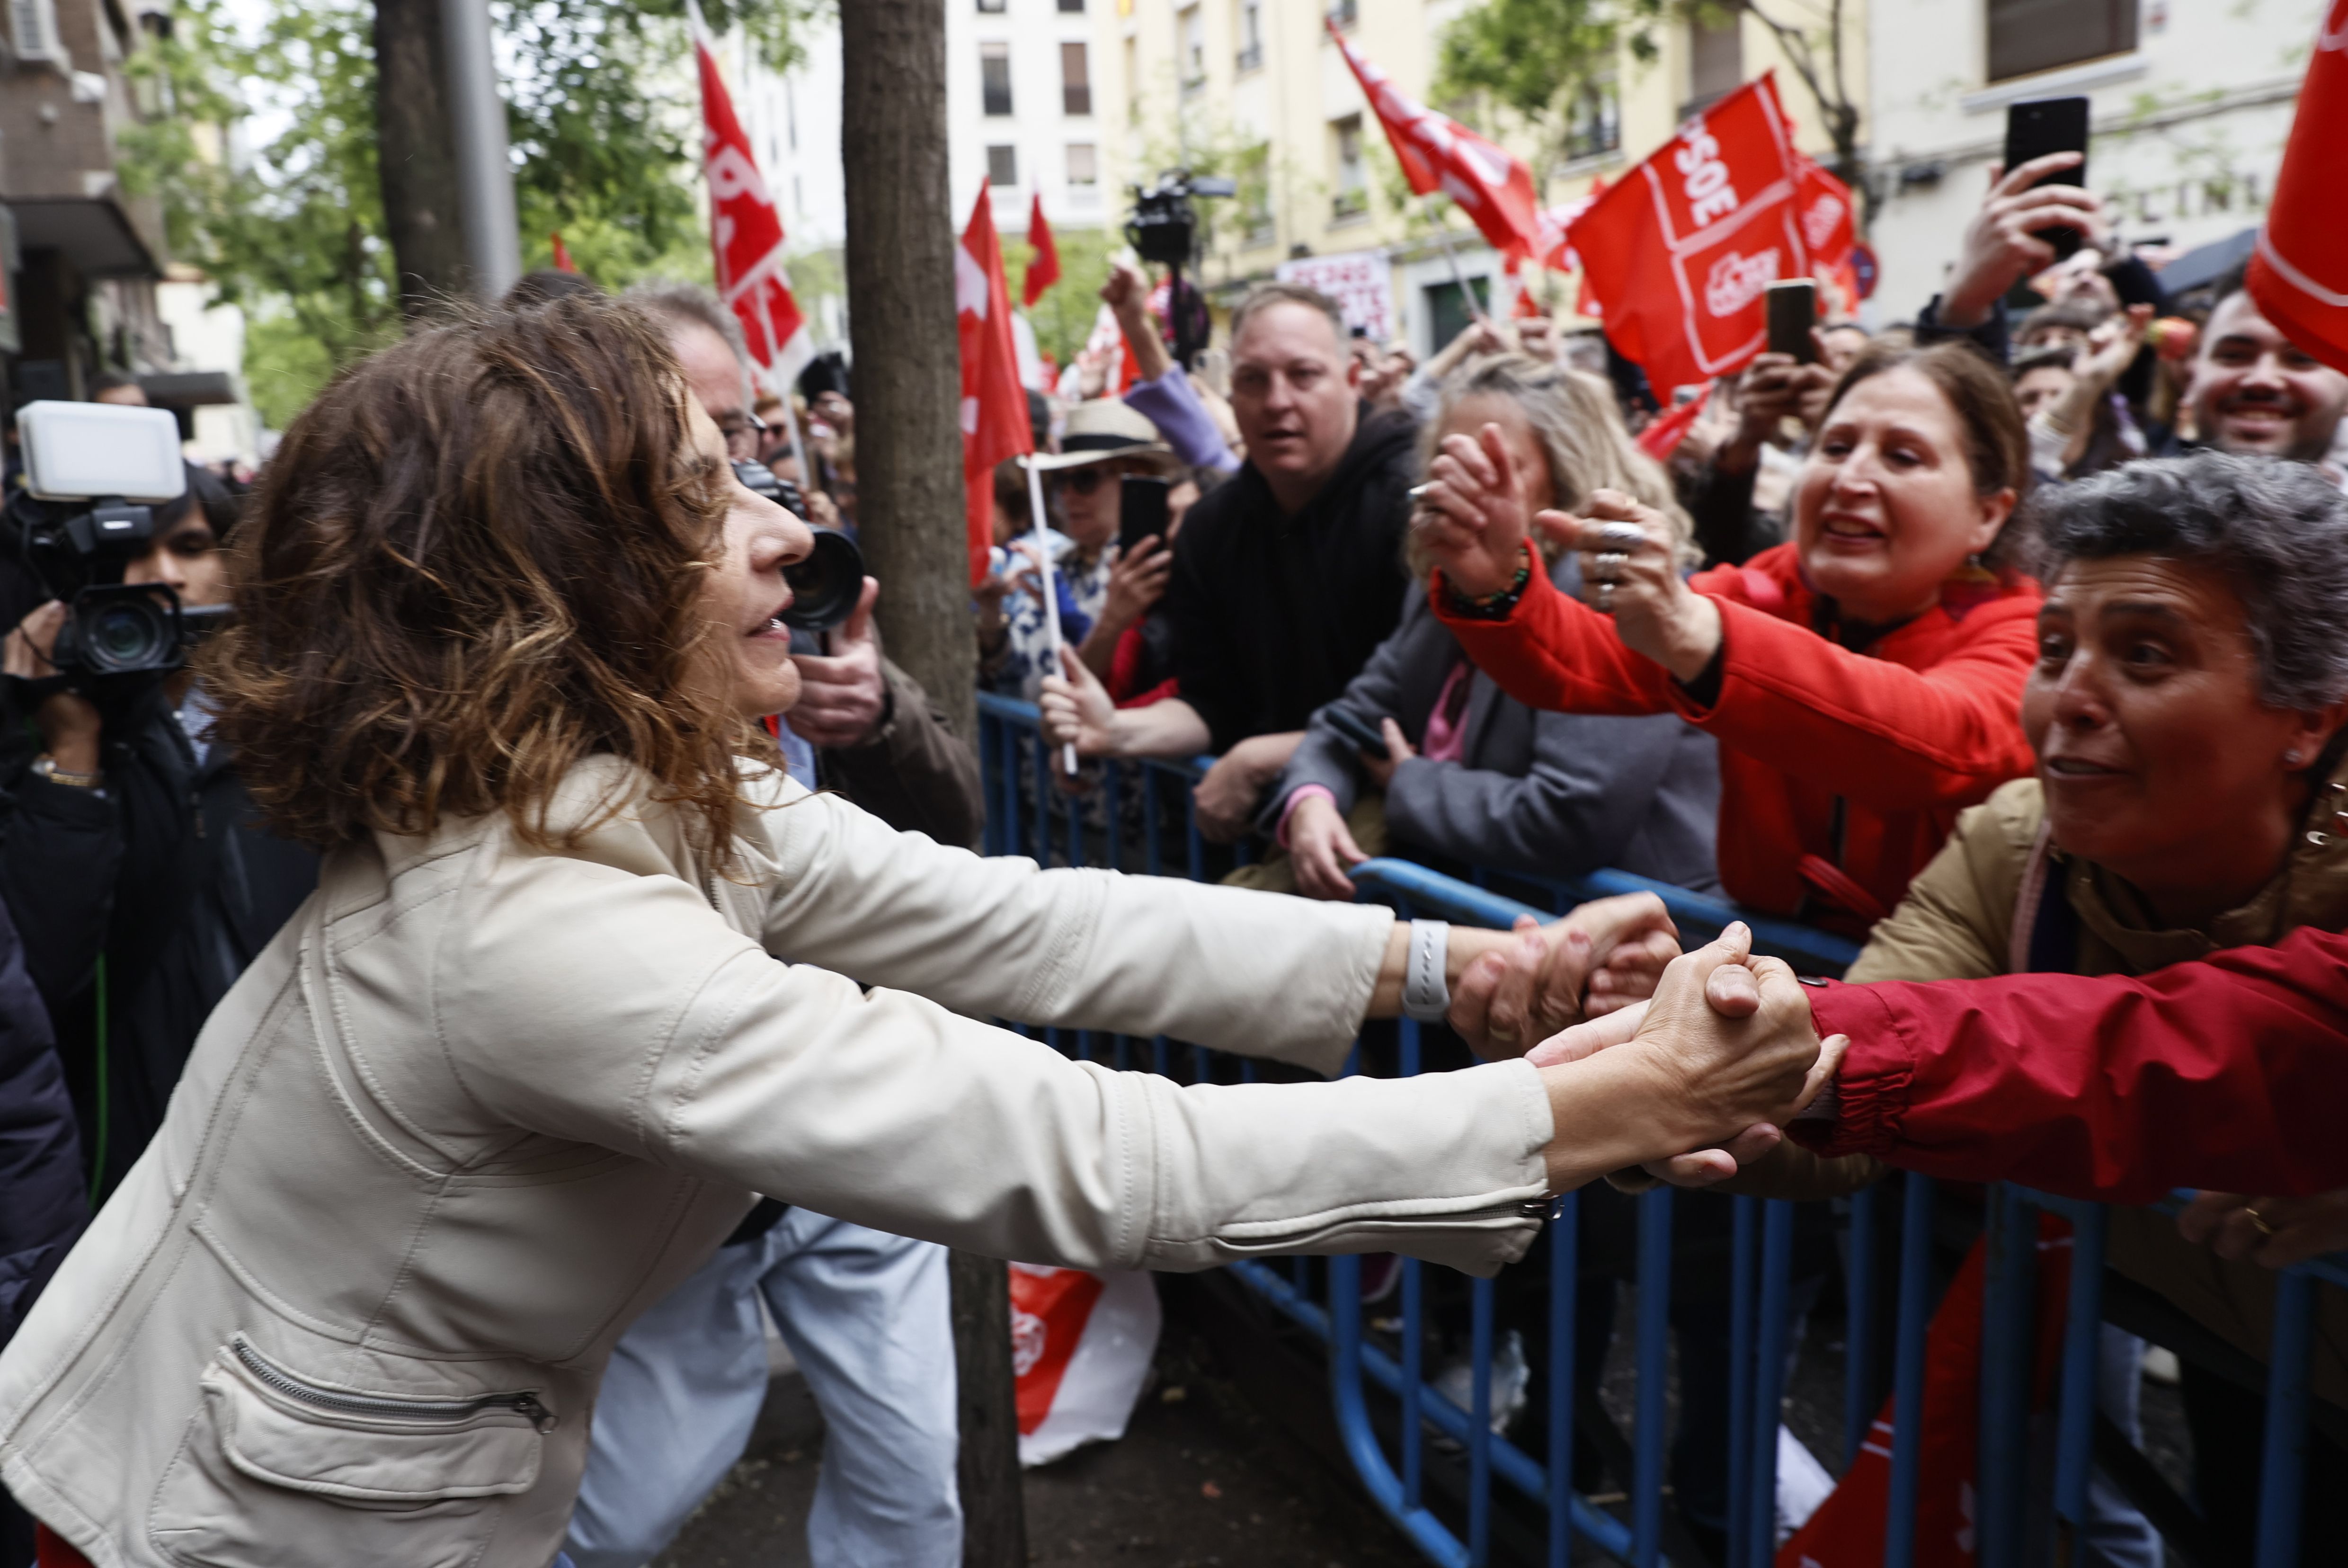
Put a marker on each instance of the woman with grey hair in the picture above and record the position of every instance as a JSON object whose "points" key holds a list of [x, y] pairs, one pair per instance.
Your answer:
{"points": [[2191, 795]]}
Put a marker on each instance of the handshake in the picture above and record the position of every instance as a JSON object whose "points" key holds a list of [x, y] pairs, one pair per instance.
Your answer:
{"points": [[1685, 1087]]}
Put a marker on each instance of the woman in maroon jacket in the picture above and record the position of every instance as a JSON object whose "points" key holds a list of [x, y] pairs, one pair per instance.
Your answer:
{"points": [[1864, 679]]}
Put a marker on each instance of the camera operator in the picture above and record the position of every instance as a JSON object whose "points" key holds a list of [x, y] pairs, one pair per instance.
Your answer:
{"points": [[130, 860], [876, 736]]}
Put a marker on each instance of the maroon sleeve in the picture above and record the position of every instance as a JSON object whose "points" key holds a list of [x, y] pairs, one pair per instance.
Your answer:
{"points": [[2231, 1073]]}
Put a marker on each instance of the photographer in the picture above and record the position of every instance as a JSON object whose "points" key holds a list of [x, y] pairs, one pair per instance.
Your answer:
{"points": [[130, 860]]}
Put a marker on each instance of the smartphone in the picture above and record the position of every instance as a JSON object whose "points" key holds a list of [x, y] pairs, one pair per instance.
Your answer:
{"points": [[2042, 126], [1140, 510], [1793, 312], [1366, 736]]}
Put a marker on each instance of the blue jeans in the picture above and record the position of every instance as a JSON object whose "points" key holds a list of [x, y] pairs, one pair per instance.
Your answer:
{"points": [[866, 1316]]}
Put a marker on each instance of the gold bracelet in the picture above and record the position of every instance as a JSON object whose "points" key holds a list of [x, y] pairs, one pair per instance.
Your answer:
{"points": [[46, 767]]}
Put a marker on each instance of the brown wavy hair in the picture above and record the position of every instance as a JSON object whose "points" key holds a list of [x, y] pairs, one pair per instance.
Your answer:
{"points": [[473, 562]]}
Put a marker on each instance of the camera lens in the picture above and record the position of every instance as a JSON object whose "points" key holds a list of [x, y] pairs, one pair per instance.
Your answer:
{"points": [[827, 584], [131, 635]]}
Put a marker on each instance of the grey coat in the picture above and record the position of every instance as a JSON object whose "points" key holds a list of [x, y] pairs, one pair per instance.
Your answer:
{"points": [[1551, 793]]}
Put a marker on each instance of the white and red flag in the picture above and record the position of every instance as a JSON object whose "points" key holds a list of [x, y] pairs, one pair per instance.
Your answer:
{"points": [[746, 234], [1829, 229], [1682, 248], [2299, 274], [995, 423], [1492, 186]]}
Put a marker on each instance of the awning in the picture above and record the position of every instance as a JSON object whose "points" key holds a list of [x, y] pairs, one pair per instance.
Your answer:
{"points": [[2207, 263], [96, 234]]}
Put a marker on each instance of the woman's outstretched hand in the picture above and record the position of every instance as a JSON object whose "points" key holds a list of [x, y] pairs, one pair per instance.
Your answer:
{"points": [[1631, 571], [1727, 1044], [1542, 978], [1472, 514]]}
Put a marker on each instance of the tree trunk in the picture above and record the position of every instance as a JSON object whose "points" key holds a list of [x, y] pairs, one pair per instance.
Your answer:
{"points": [[994, 1509], [907, 377], [415, 155]]}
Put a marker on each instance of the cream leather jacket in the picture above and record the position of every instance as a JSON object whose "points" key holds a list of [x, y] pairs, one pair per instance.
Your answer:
{"points": [[479, 1106]]}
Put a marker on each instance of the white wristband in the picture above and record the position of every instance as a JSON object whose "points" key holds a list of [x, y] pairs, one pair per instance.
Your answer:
{"points": [[1426, 992]]}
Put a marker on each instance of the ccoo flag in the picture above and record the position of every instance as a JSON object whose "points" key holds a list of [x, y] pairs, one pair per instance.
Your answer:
{"points": [[1437, 153], [746, 234], [993, 404], [1682, 248], [2299, 274]]}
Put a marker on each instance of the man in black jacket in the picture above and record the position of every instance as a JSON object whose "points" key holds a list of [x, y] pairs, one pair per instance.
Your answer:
{"points": [[1287, 577]]}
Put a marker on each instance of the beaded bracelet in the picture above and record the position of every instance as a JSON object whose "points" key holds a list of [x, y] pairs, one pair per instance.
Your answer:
{"points": [[1490, 607]]}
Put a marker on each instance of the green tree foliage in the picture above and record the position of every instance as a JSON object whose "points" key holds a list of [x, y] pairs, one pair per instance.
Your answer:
{"points": [[261, 144]]}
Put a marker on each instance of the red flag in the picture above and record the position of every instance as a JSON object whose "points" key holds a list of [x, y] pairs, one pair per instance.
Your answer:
{"points": [[2299, 274], [1680, 249], [747, 234], [1828, 229], [993, 404], [1437, 153], [1664, 433], [561, 256], [1043, 270]]}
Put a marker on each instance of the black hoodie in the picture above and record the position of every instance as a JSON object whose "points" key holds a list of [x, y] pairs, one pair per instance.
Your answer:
{"points": [[1272, 615]]}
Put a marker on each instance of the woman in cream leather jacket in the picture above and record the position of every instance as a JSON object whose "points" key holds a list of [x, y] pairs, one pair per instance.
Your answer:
{"points": [[519, 1064]]}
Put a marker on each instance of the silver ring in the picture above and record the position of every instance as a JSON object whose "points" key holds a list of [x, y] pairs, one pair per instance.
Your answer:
{"points": [[1621, 536], [1609, 564], [1606, 598]]}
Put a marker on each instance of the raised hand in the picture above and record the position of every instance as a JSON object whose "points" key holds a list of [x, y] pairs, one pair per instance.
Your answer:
{"points": [[1472, 513], [842, 695], [1631, 571], [2002, 244], [1740, 1047], [1077, 708]]}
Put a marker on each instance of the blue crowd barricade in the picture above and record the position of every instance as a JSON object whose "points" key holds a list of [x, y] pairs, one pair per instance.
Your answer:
{"points": [[1431, 1434]]}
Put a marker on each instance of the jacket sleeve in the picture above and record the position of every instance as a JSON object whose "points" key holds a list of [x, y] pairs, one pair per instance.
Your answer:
{"points": [[914, 775], [1591, 783], [2227, 1073], [1890, 738], [58, 863], [641, 1022], [1554, 652], [1256, 972]]}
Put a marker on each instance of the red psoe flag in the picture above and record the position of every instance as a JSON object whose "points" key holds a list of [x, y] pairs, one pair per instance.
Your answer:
{"points": [[2299, 274], [746, 235], [1828, 230], [1680, 249], [1437, 153], [1043, 267], [993, 404], [562, 253]]}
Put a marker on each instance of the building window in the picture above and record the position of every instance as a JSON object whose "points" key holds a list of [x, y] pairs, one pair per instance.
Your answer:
{"points": [[1254, 182], [1084, 164], [1192, 27], [1003, 166], [1593, 123], [2027, 35], [1248, 25], [989, 7], [994, 77], [1345, 13], [1352, 197], [1073, 7], [1076, 80], [1716, 63], [34, 23], [1132, 82]]}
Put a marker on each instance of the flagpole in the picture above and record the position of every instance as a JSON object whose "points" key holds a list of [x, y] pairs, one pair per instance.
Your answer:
{"points": [[1051, 593], [1466, 294]]}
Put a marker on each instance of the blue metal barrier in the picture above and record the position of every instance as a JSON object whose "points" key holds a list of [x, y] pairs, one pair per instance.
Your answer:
{"points": [[1404, 1432]]}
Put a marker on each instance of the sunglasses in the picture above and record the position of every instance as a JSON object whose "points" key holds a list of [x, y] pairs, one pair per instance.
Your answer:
{"points": [[1088, 478]]}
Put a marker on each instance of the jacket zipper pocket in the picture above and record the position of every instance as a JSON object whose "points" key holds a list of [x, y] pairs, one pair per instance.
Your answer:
{"points": [[1535, 1209], [280, 1381]]}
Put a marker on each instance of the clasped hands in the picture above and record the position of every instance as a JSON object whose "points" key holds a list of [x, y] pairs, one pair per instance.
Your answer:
{"points": [[1691, 1084]]}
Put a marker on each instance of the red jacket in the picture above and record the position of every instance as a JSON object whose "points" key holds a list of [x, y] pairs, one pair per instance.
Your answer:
{"points": [[1894, 742], [2231, 1073]]}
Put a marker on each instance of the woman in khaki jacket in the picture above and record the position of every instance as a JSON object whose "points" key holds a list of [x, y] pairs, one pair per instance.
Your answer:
{"points": [[2186, 710], [522, 1061]]}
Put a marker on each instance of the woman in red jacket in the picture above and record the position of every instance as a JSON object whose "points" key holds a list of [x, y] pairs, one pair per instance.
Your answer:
{"points": [[1864, 679]]}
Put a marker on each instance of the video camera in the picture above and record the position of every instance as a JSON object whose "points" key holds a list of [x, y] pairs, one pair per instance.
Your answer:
{"points": [[1164, 229], [827, 584], [93, 475]]}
